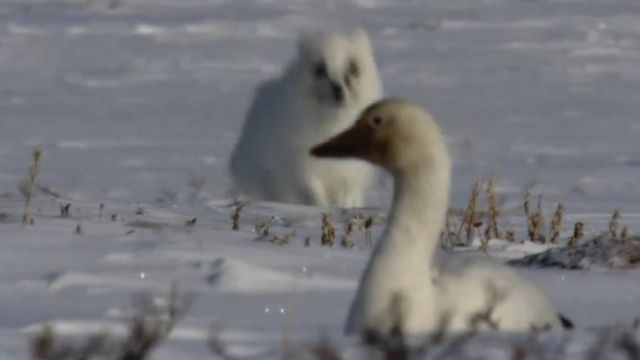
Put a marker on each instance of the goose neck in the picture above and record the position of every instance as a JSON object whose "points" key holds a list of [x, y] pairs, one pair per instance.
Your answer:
{"points": [[419, 208]]}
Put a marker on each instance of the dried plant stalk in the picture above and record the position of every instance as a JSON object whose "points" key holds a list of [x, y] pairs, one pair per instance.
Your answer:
{"points": [[235, 217], [367, 231], [556, 223], [533, 227], [527, 201], [484, 241], [494, 208], [283, 239], [541, 220], [147, 329], [535, 222], [346, 241], [190, 223], [449, 237], [614, 224], [624, 235], [261, 228], [34, 171], [578, 233], [65, 210], [348, 226], [469, 222], [328, 231], [510, 235]]}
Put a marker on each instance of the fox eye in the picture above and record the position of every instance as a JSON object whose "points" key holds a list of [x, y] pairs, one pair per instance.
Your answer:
{"points": [[376, 121], [320, 70], [353, 69]]}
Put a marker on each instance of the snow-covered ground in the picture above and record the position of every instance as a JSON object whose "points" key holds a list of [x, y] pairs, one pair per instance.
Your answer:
{"points": [[137, 103]]}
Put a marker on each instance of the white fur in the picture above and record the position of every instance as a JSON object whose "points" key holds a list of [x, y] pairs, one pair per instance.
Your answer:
{"points": [[401, 276], [294, 111]]}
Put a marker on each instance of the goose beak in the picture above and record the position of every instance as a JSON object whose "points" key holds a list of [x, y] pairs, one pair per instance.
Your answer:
{"points": [[352, 143]]}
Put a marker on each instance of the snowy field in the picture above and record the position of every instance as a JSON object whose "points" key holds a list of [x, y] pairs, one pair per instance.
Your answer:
{"points": [[136, 105]]}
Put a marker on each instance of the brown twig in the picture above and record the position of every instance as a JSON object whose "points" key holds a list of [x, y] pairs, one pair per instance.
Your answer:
{"points": [[556, 223], [469, 221], [328, 231], [235, 216], [494, 208], [614, 224], [34, 171], [368, 223], [578, 233]]}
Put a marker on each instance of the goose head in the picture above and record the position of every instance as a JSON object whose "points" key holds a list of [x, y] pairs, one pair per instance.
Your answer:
{"points": [[395, 134]]}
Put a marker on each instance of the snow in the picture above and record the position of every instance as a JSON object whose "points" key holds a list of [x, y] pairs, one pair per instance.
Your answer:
{"points": [[137, 104]]}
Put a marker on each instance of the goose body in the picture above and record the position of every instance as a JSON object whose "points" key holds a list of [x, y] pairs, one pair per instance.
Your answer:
{"points": [[402, 285]]}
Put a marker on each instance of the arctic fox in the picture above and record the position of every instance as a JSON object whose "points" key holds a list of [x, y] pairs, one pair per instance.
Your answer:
{"points": [[322, 90]]}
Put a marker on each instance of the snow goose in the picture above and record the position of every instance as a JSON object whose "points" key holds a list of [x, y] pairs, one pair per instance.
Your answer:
{"points": [[402, 285]]}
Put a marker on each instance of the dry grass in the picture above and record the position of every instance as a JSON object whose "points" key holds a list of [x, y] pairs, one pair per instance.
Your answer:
{"points": [[531, 348], [47, 346], [470, 220], [556, 223], [261, 228], [449, 237], [510, 235], [347, 237], [150, 327], [65, 210], [27, 191], [625, 234], [235, 216], [578, 234], [346, 241], [368, 224], [154, 323], [535, 223], [527, 201], [630, 345], [328, 231], [283, 239], [189, 224], [484, 240], [494, 209], [614, 224], [533, 228]]}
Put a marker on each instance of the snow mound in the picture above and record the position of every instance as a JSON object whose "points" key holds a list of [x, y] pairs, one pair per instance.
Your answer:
{"points": [[602, 251], [102, 282], [235, 276]]}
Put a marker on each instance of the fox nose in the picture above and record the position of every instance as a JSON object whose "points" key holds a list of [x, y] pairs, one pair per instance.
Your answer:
{"points": [[338, 92]]}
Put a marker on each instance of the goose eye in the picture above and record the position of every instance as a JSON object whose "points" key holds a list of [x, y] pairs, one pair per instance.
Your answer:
{"points": [[353, 69], [376, 121], [320, 70]]}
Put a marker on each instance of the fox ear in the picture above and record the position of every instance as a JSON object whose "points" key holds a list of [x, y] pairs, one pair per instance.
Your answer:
{"points": [[307, 42], [360, 37], [304, 38]]}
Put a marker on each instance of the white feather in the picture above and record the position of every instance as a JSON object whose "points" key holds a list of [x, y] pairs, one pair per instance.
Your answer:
{"points": [[402, 268]]}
